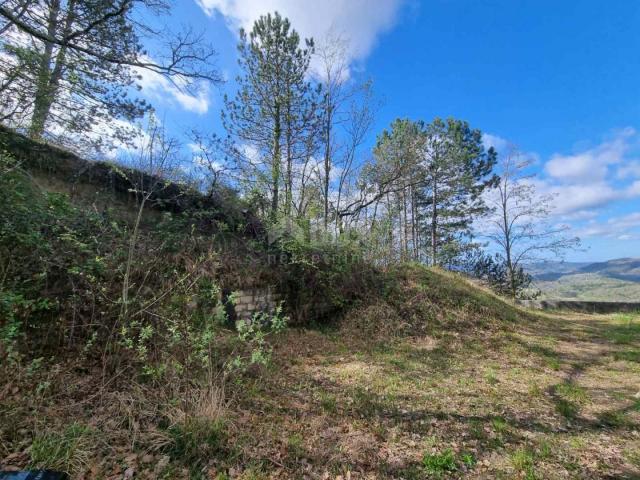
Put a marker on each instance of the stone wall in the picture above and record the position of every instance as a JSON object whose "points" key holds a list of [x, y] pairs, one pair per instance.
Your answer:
{"points": [[252, 300], [581, 306], [255, 300]]}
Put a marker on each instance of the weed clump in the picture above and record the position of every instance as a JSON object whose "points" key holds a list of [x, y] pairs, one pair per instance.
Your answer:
{"points": [[67, 451], [197, 439], [438, 464]]}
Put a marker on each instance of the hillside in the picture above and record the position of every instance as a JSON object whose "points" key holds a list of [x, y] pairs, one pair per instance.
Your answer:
{"points": [[613, 280], [621, 268], [124, 352], [431, 378]]}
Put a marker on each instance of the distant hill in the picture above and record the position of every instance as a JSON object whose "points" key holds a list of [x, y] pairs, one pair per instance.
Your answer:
{"points": [[617, 279], [621, 268], [549, 271]]}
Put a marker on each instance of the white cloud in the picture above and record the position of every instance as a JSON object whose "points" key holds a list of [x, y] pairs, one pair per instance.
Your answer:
{"points": [[591, 179], [592, 165], [581, 201], [160, 88], [580, 215], [576, 197], [621, 228], [630, 170], [500, 144], [626, 237], [626, 222], [361, 20], [584, 185], [634, 189]]}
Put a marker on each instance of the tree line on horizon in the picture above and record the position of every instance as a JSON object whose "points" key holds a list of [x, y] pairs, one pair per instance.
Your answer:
{"points": [[296, 131]]}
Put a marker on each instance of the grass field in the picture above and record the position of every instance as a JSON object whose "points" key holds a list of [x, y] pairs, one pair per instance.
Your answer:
{"points": [[559, 398], [527, 396]]}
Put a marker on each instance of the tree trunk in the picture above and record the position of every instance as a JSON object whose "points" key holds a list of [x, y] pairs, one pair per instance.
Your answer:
{"points": [[414, 227], [43, 97], [507, 244], [289, 174], [434, 225], [327, 161], [275, 165], [390, 216], [406, 223]]}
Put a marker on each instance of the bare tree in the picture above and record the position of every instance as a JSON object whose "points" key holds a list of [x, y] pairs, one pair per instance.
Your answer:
{"points": [[357, 126], [346, 118], [210, 162], [333, 70], [154, 164], [519, 223]]}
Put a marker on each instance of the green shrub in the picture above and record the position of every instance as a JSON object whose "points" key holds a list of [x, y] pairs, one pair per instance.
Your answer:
{"points": [[50, 256], [320, 278], [62, 270], [253, 338]]}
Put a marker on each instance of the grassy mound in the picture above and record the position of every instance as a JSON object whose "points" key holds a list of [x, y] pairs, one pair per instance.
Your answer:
{"points": [[415, 300]]}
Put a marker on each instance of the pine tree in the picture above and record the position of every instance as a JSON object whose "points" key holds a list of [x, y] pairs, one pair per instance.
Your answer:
{"points": [[457, 171], [273, 113], [398, 154]]}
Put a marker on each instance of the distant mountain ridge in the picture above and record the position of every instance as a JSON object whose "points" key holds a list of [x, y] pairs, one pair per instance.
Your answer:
{"points": [[613, 280], [620, 268], [550, 271]]}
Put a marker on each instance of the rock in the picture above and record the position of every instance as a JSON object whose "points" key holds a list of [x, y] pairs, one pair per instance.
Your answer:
{"points": [[129, 473]]}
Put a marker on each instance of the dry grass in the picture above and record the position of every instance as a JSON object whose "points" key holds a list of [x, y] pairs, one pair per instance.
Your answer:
{"points": [[479, 390], [208, 403], [546, 399]]}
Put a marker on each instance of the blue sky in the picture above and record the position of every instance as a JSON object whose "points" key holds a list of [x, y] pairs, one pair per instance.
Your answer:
{"points": [[560, 79]]}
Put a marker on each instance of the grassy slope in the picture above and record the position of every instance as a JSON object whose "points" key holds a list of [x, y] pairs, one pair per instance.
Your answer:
{"points": [[430, 378]]}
